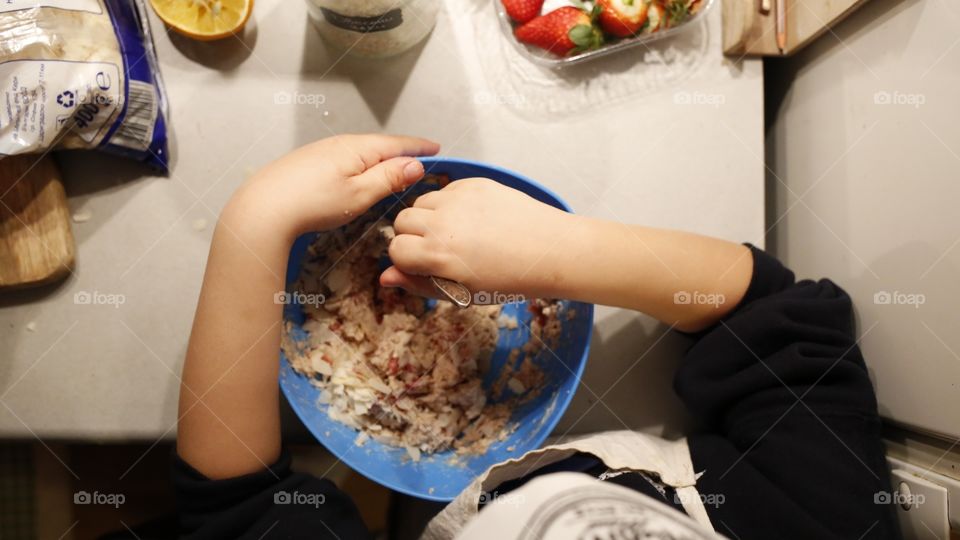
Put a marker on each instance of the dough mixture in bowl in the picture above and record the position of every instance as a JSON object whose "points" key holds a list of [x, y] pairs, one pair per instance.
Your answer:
{"points": [[394, 369]]}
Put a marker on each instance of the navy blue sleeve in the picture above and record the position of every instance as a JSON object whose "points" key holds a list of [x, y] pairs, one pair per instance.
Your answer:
{"points": [[273, 503], [790, 439]]}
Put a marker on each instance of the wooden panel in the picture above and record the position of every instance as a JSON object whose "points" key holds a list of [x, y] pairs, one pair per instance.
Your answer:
{"points": [[748, 32], [36, 243]]}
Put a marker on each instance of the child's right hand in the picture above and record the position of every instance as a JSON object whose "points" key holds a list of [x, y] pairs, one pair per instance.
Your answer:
{"points": [[481, 233]]}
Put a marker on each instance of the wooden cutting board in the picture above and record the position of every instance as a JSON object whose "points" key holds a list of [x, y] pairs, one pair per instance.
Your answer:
{"points": [[36, 243]]}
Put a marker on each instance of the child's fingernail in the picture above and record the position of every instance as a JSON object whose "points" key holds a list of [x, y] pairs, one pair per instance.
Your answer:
{"points": [[412, 171]]}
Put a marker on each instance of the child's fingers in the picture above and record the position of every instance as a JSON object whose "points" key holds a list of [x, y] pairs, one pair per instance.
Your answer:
{"points": [[434, 199], [430, 200], [411, 255], [418, 285], [455, 184], [391, 146], [412, 221], [390, 176]]}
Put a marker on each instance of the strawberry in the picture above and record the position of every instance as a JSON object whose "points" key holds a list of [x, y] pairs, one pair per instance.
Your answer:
{"points": [[523, 11], [656, 17], [562, 30], [622, 18], [677, 11]]}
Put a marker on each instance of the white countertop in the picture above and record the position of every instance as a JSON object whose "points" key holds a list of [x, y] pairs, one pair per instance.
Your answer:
{"points": [[675, 140]]}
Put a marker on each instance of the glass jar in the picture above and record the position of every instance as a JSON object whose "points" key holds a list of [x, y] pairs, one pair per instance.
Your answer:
{"points": [[374, 28]]}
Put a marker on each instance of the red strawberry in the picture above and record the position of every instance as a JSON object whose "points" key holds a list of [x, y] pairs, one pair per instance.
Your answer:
{"points": [[523, 11], [561, 31], [622, 18]]}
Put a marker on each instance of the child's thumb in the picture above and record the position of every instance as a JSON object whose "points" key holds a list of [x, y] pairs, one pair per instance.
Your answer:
{"points": [[390, 176], [418, 285]]}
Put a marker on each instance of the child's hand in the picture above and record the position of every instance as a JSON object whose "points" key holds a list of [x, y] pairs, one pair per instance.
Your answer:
{"points": [[481, 233], [326, 184]]}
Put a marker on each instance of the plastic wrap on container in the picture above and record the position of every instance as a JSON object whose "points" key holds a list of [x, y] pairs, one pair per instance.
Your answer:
{"points": [[80, 74]]}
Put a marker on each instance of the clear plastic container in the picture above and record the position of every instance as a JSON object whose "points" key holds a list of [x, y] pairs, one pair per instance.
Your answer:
{"points": [[548, 59], [374, 28]]}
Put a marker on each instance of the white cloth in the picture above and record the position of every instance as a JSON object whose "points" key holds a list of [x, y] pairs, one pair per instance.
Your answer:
{"points": [[575, 506], [619, 450]]}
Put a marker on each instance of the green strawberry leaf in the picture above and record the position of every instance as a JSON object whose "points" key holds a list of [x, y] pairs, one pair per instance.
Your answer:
{"points": [[595, 12], [580, 35], [585, 37], [676, 12]]}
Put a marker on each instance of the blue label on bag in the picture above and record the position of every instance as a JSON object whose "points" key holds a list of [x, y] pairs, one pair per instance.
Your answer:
{"points": [[140, 130]]}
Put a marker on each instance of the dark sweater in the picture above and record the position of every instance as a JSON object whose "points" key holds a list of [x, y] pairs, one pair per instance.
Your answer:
{"points": [[790, 446]]}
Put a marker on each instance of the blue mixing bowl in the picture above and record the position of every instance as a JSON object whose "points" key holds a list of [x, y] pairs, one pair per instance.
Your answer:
{"points": [[436, 477]]}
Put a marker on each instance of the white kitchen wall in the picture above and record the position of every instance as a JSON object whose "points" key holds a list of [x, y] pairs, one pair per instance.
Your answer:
{"points": [[863, 143]]}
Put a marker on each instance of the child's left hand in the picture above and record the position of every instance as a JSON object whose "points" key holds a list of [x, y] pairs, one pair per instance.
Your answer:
{"points": [[328, 183], [231, 365]]}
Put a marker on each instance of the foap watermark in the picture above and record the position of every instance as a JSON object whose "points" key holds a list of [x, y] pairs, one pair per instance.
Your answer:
{"points": [[299, 298], [498, 98], [699, 98], [97, 298], [513, 499], [295, 497], [708, 499], [883, 97], [107, 499], [905, 499], [697, 298], [489, 298], [299, 98], [897, 298]]}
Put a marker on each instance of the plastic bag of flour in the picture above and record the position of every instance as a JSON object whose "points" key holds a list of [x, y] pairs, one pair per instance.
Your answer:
{"points": [[80, 74]]}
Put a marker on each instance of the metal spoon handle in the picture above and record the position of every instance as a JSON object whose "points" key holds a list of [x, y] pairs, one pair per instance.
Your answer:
{"points": [[453, 290]]}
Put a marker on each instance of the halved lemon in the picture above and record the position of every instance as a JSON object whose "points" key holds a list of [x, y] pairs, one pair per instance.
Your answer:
{"points": [[204, 19]]}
